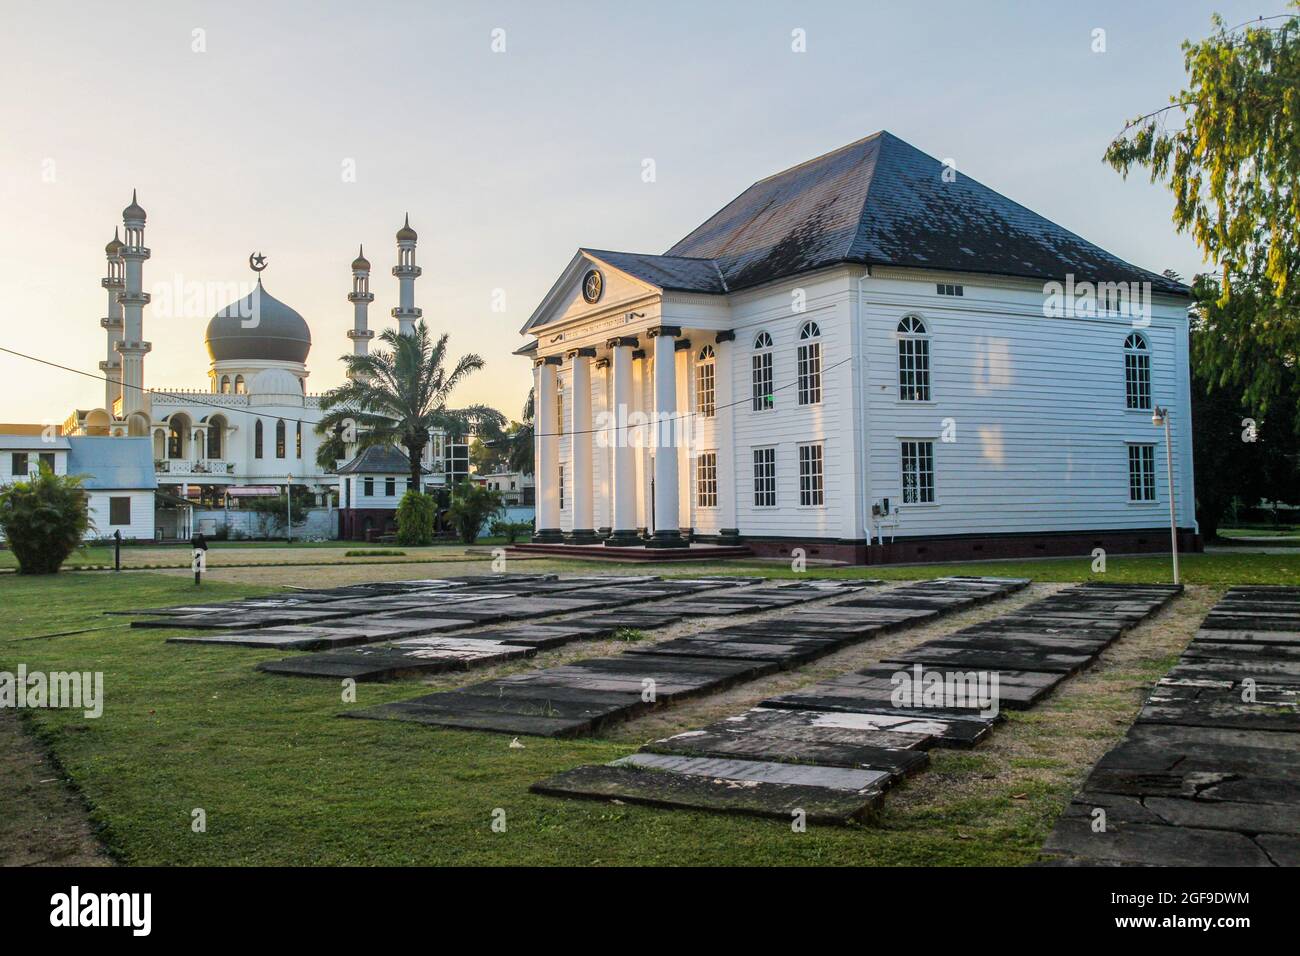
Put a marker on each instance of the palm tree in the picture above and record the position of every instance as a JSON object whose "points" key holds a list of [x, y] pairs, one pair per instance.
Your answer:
{"points": [[516, 442], [394, 396]]}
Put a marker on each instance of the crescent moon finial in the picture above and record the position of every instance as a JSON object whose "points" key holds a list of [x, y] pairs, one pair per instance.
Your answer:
{"points": [[257, 262]]}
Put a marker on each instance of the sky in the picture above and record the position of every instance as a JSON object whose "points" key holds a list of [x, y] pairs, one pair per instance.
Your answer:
{"points": [[512, 133]]}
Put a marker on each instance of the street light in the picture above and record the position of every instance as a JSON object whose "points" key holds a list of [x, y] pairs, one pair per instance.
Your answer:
{"points": [[1159, 418], [288, 500]]}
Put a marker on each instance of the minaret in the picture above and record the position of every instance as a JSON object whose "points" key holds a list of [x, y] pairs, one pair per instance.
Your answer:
{"points": [[360, 297], [133, 348], [407, 272], [112, 324]]}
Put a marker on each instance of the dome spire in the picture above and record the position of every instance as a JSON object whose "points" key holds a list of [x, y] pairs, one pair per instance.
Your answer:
{"points": [[134, 212], [406, 272]]}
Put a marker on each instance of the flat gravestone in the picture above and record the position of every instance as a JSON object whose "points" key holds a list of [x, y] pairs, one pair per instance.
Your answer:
{"points": [[658, 788]]}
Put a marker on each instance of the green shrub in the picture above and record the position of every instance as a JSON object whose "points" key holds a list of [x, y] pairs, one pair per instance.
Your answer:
{"points": [[415, 516], [44, 520], [374, 553], [511, 530], [472, 505]]}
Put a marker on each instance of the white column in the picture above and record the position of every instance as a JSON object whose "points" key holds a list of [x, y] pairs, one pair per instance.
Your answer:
{"points": [[666, 532], [623, 523], [584, 527], [546, 451], [724, 379]]}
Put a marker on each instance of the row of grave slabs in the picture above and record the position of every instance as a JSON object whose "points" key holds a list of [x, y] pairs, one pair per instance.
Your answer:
{"points": [[1209, 773], [828, 753], [390, 630]]}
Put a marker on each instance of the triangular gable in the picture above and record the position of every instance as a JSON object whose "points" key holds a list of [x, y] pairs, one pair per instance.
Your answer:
{"points": [[565, 300]]}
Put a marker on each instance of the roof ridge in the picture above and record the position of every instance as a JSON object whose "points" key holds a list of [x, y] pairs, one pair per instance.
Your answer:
{"points": [[817, 159]]}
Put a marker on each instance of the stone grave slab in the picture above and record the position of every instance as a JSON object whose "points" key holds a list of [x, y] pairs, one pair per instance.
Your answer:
{"points": [[658, 788]]}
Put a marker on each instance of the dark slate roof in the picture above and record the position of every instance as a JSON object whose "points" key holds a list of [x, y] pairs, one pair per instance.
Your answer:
{"points": [[677, 273], [882, 201], [118, 464], [379, 460]]}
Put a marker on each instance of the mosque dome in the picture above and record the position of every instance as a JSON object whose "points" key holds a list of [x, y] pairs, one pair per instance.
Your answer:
{"points": [[258, 327], [361, 263], [114, 245], [406, 232], [275, 381]]}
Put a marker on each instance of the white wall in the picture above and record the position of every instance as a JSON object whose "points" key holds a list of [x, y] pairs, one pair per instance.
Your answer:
{"points": [[1038, 406], [142, 515], [7, 475], [357, 498], [828, 302]]}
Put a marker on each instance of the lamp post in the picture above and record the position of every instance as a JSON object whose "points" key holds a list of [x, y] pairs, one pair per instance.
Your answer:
{"points": [[1160, 417], [288, 500]]}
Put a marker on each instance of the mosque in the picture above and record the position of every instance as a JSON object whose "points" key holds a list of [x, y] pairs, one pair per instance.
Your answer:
{"points": [[250, 431]]}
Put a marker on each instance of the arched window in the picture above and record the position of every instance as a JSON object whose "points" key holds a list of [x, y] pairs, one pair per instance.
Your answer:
{"points": [[297, 445], [225, 385], [705, 382], [1137, 372], [239, 385], [279, 439], [215, 427], [810, 364], [257, 439], [761, 377], [913, 360]]}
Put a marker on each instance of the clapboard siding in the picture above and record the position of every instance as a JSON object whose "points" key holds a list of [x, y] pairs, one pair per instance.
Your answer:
{"points": [[141, 526], [1038, 408], [827, 301]]}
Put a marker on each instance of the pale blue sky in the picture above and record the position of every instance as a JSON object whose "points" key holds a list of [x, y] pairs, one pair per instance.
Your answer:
{"points": [[509, 161]]}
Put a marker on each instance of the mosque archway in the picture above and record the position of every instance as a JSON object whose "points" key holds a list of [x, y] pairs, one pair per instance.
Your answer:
{"points": [[178, 436], [137, 425]]}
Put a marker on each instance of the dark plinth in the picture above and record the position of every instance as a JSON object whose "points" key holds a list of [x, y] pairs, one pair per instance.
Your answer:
{"points": [[582, 536], [623, 539], [548, 536], [667, 539]]}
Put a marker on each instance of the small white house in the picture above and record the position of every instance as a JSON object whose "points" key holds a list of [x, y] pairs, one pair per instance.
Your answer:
{"points": [[872, 357], [371, 487], [120, 484], [118, 476]]}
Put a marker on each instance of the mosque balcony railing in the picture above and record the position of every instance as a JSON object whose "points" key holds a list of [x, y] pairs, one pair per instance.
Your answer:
{"points": [[205, 466]]}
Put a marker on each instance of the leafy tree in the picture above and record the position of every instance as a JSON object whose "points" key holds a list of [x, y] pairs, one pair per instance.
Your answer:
{"points": [[44, 519], [395, 396], [1240, 454], [415, 518], [1232, 166], [273, 511], [471, 505], [515, 443]]}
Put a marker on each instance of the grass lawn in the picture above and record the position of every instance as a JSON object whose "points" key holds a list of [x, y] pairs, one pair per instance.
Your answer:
{"points": [[236, 553], [1210, 569], [283, 781]]}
